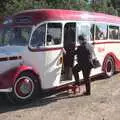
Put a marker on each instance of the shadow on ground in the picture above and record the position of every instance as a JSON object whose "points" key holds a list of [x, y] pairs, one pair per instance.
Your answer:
{"points": [[5, 106]]}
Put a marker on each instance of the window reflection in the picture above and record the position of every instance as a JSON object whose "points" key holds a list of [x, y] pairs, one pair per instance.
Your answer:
{"points": [[38, 38], [18, 36]]}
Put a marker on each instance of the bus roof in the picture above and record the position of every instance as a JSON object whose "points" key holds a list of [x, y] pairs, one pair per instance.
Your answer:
{"points": [[38, 15]]}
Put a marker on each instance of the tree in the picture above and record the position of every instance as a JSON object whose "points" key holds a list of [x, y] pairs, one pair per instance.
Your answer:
{"points": [[116, 5], [69, 4], [3, 6], [17, 5], [104, 6], [9, 7]]}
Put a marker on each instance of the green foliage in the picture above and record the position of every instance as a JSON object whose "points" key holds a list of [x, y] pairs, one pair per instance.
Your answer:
{"points": [[105, 6], [116, 5], [13, 6], [9, 7]]}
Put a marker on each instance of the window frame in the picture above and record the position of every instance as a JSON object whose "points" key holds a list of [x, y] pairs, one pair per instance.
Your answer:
{"points": [[41, 47]]}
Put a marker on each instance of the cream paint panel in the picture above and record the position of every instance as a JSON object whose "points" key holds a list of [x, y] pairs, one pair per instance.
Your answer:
{"points": [[52, 69], [113, 47], [37, 61], [45, 64], [100, 54]]}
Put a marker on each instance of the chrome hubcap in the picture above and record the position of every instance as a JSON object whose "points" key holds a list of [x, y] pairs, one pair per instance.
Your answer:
{"points": [[24, 87]]}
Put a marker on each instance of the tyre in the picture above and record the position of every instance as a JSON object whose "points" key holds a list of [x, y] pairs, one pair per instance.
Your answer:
{"points": [[109, 67], [24, 89]]}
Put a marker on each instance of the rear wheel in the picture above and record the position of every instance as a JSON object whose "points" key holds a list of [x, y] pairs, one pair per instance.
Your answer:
{"points": [[25, 87], [109, 67]]}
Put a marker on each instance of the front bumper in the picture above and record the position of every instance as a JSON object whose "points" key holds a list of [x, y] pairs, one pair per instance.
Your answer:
{"points": [[6, 90]]}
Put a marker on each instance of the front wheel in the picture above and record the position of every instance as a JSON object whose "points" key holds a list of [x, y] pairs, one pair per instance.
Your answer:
{"points": [[109, 67], [25, 87]]}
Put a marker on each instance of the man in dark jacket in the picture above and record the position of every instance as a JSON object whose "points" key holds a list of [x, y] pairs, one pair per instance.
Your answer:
{"points": [[84, 54]]}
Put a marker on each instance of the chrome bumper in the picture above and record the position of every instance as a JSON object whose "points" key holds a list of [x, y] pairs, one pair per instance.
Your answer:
{"points": [[6, 90]]}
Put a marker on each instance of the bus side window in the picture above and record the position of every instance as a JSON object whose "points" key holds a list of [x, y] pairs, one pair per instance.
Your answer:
{"points": [[7, 35], [113, 32], [54, 34], [38, 38], [84, 29], [101, 32]]}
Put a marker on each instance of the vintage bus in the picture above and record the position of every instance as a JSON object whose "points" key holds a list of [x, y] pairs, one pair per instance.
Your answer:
{"points": [[32, 49]]}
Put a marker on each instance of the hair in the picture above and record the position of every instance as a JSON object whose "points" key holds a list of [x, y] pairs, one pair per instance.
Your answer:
{"points": [[82, 37]]}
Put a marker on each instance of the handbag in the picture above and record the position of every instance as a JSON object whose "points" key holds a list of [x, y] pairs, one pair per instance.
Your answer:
{"points": [[95, 63]]}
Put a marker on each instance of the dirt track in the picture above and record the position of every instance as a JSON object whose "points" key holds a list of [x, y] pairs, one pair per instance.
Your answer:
{"points": [[103, 104]]}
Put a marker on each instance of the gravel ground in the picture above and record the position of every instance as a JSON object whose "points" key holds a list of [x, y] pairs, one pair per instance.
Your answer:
{"points": [[103, 104]]}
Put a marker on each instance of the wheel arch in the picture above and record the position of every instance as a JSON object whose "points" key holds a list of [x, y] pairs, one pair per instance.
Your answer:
{"points": [[112, 55], [26, 69]]}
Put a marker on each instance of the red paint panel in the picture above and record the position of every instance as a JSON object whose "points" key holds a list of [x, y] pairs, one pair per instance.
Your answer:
{"points": [[107, 42], [116, 60], [7, 78], [40, 15], [20, 69]]}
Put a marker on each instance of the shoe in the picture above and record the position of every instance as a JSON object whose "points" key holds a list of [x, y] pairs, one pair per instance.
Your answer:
{"points": [[86, 93], [77, 83]]}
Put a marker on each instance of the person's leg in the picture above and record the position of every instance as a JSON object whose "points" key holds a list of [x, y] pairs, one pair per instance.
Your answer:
{"points": [[86, 74], [76, 69], [68, 64], [66, 71]]}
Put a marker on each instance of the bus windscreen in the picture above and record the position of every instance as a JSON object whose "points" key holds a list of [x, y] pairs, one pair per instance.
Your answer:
{"points": [[17, 36]]}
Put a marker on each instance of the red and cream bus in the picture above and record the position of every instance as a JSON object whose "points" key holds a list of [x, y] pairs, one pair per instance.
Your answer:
{"points": [[32, 47]]}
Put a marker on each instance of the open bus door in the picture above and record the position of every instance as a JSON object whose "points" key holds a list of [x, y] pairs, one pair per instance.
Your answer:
{"points": [[69, 47]]}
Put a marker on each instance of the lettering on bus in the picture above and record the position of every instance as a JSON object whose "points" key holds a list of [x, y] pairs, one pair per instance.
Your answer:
{"points": [[23, 20], [101, 49]]}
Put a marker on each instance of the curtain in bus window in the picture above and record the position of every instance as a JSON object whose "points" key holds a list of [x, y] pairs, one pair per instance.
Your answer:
{"points": [[113, 32], [38, 38], [54, 34], [101, 32]]}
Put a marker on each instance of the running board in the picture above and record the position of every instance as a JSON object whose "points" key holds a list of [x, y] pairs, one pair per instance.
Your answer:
{"points": [[66, 82]]}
